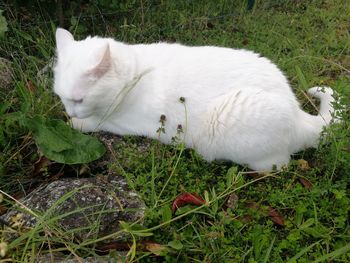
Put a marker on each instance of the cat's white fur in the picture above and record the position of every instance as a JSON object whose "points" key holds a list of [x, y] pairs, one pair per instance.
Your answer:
{"points": [[238, 105]]}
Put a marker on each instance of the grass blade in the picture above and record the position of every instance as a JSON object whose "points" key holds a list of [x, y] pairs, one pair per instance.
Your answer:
{"points": [[336, 253], [301, 78], [268, 252], [302, 252]]}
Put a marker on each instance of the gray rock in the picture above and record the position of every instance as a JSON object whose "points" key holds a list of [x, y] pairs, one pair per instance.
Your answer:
{"points": [[45, 75], [60, 258], [86, 207], [6, 74]]}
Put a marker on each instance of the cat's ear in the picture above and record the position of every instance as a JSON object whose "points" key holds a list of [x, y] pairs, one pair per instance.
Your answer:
{"points": [[104, 58], [63, 37]]}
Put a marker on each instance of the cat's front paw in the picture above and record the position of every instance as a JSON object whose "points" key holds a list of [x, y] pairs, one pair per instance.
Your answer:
{"points": [[77, 123], [85, 125]]}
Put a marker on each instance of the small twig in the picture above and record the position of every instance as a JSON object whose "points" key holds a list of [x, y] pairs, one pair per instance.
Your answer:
{"points": [[60, 13], [142, 14], [20, 204]]}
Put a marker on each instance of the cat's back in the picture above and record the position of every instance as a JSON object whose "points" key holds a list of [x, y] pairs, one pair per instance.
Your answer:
{"points": [[210, 66], [176, 51]]}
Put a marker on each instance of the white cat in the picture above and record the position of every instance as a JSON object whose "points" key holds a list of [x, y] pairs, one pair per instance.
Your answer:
{"points": [[234, 105]]}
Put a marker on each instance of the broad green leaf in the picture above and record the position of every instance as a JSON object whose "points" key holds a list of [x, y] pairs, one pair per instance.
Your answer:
{"points": [[137, 230], [166, 213], [175, 244], [308, 223], [143, 234], [59, 142], [124, 225], [206, 197]]}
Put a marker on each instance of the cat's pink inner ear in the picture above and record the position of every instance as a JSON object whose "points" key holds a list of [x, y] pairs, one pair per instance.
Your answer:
{"points": [[63, 38], [104, 64]]}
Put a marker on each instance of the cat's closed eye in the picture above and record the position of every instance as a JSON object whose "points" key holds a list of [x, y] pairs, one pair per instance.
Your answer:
{"points": [[77, 101]]}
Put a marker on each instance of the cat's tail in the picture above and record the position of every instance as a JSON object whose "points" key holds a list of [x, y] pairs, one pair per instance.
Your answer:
{"points": [[325, 95], [311, 126]]}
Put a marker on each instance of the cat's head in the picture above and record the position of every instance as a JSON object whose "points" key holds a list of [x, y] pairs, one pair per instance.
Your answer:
{"points": [[80, 73]]}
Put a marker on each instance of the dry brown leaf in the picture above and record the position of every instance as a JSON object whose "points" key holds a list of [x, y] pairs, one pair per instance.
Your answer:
{"points": [[3, 210], [30, 86], [245, 218], [346, 149], [306, 183], [254, 174], [150, 246], [276, 217], [40, 165], [155, 248], [118, 246], [253, 205], [245, 42], [187, 198]]}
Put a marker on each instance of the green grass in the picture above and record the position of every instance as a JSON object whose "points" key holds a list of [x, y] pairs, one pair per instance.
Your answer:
{"points": [[308, 40]]}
